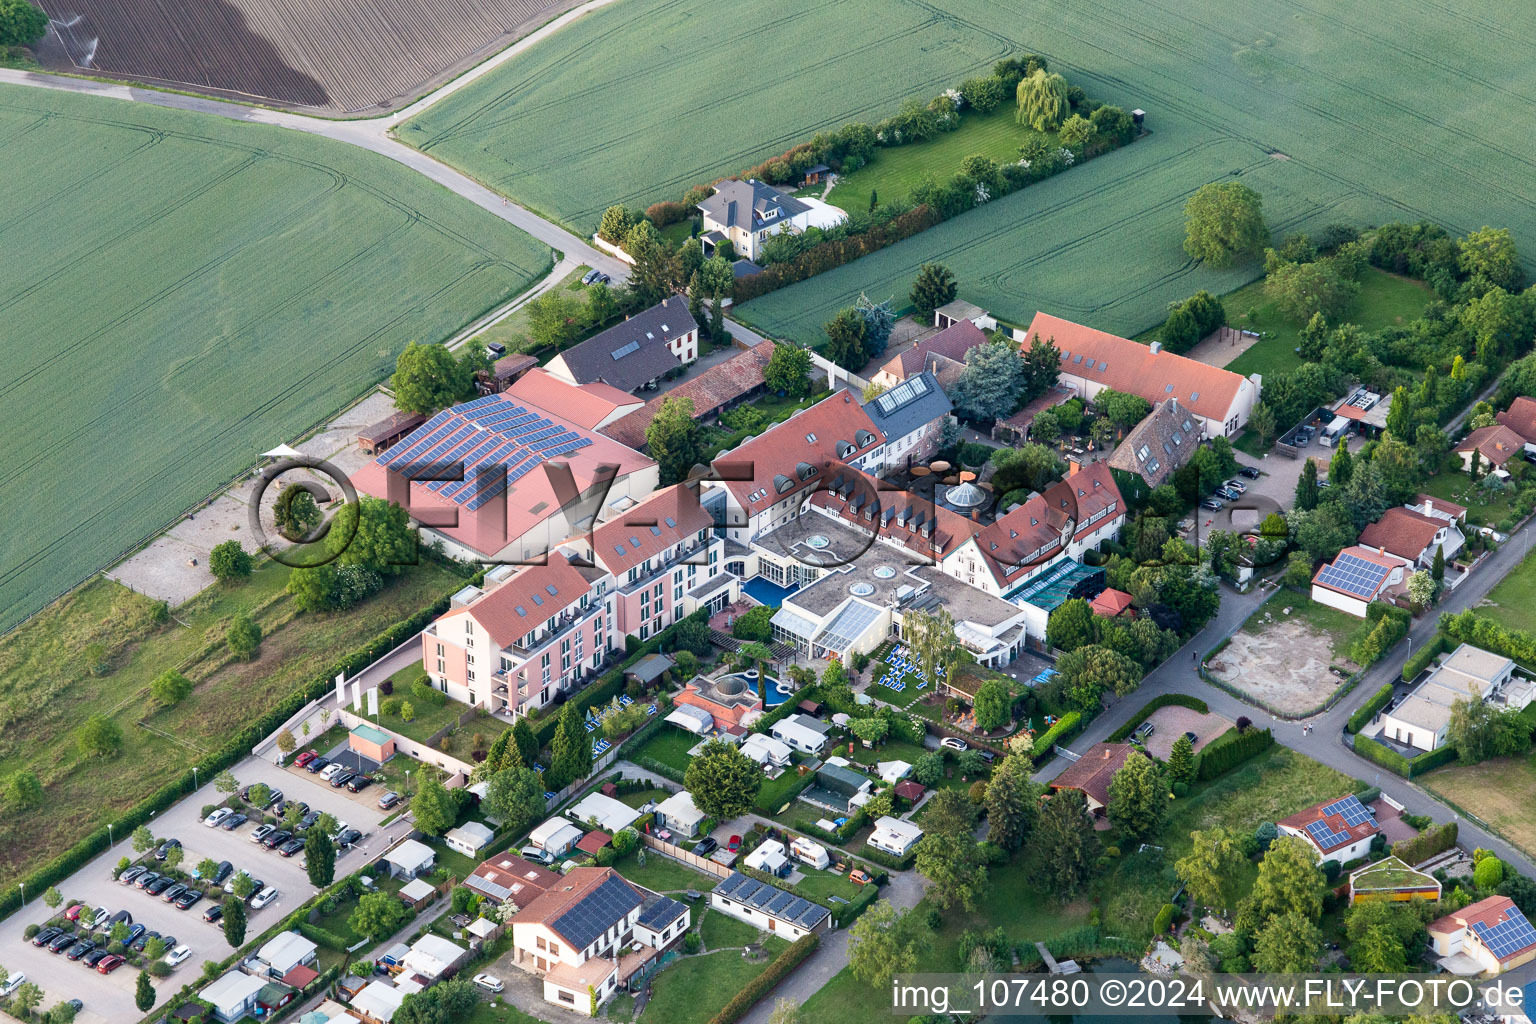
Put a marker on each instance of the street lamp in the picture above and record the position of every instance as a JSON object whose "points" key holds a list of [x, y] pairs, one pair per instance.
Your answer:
{"points": [[194, 776], [110, 841], [23, 887]]}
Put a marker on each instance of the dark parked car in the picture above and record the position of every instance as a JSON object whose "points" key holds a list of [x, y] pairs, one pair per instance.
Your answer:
{"points": [[214, 913], [317, 764], [275, 799], [121, 915], [173, 893], [165, 848], [1251, 472], [225, 870], [80, 948], [46, 936], [1212, 505], [94, 957], [348, 837], [159, 885], [277, 839], [309, 819], [988, 756], [170, 942], [188, 898], [62, 941], [706, 846], [138, 944], [291, 847], [1191, 737], [233, 822], [134, 933], [145, 880], [341, 779], [358, 783]]}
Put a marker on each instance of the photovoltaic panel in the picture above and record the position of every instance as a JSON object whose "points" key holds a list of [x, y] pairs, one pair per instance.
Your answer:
{"points": [[502, 416], [465, 430], [1351, 810], [419, 439], [520, 427], [475, 449], [1323, 834], [479, 403], [480, 464], [1354, 575], [564, 437]]}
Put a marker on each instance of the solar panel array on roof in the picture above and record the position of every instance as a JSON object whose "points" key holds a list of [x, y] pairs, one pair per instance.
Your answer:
{"points": [[1324, 836], [785, 906], [1354, 575], [901, 394], [1351, 810], [585, 921], [1509, 936], [660, 911], [624, 350]]}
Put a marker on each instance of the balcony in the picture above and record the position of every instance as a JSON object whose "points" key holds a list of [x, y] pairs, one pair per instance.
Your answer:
{"points": [[649, 580], [565, 622]]}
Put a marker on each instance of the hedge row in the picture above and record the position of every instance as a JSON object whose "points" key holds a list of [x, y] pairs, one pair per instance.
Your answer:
{"points": [[1417, 662], [1383, 755], [1231, 749], [1426, 844], [1065, 728], [764, 983], [845, 914], [1367, 711], [821, 258], [1430, 760], [235, 749], [1164, 918], [1467, 628], [1162, 700], [888, 860], [323, 937]]}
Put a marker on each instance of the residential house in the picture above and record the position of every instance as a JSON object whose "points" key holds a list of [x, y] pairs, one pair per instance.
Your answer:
{"points": [[1493, 446], [802, 733], [431, 959], [408, 859], [1339, 830], [678, 815], [635, 354], [769, 857], [611, 815], [769, 908], [767, 751], [1091, 773], [1492, 933], [1521, 418], [1357, 576], [721, 387], [1413, 536], [942, 354], [911, 416], [233, 996], [574, 934], [556, 837], [1160, 445], [895, 836], [283, 953], [504, 479], [1112, 603], [1421, 719], [748, 213], [1093, 360], [469, 838]]}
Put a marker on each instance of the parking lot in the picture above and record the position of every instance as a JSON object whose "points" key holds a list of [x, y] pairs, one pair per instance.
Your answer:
{"points": [[110, 997]]}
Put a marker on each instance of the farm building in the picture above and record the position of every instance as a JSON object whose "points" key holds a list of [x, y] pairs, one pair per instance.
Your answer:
{"points": [[378, 437], [723, 386], [635, 354], [958, 310]]}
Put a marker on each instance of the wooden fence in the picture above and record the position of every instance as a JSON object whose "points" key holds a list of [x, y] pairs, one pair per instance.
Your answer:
{"points": [[693, 860]]}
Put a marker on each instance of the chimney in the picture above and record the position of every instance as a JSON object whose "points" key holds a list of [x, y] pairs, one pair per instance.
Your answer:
{"points": [[1073, 467], [1156, 347], [1106, 753], [976, 515]]}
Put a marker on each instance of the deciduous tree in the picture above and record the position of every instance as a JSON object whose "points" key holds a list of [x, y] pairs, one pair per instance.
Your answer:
{"points": [[432, 806], [1138, 797], [378, 915], [1289, 881], [515, 796], [885, 942], [993, 705], [788, 370], [23, 790], [1212, 870], [426, 378], [672, 437], [1222, 221], [1071, 625], [98, 736], [243, 637], [1286, 944], [1042, 100], [229, 561]]}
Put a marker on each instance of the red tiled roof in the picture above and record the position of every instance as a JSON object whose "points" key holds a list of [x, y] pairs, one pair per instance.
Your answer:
{"points": [[949, 345], [1520, 417], [300, 975], [1052, 398], [1111, 602], [1402, 531], [1092, 772], [593, 841], [585, 405], [512, 365], [524, 878], [513, 609], [1032, 533], [1490, 913], [909, 790], [1351, 833], [809, 439], [1362, 553], [1441, 505], [715, 387], [577, 885], [643, 531], [1498, 443], [1134, 368]]}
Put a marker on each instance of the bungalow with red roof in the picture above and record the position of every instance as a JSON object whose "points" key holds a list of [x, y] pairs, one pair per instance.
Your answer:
{"points": [[1492, 933], [1093, 360], [1338, 830], [1091, 774], [1112, 603], [942, 354], [1357, 576], [712, 392], [1521, 418], [1413, 536], [1492, 446], [507, 877]]}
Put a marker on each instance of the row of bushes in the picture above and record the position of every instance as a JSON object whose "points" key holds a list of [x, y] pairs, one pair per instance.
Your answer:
{"points": [[764, 983], [1373, 642], [1518, 644], [1231, 749], [1065, 728], [844, 832], [323, 937], [1420, 660], [1396, 763], [1426, 844], [235, 749], [821, 258], [888, 860], [1162, 700], [845, 914], [1367, 711]]}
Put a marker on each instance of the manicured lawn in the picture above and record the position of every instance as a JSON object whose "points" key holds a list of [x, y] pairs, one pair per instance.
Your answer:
{"points": [[695, 988], [775, 793], [1501, 792], [1484, 507], [621, 1008], [821, 885], [640, 797], [848, 1000], [487, 1012], [47, 690], [512, 331], [722, 930], [892, 173], [429, 718], [669, 745], [1513, 601], [663, 874]]}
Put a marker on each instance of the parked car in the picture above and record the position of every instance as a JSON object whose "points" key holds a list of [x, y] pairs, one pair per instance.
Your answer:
{"points": [[73, 913], [495, 350], [954, 743], [62, 941], [224, 871], [1251, 472], [1191, 737], [111, 963], [13, 983], [127, 877], [734, 844], [859, 876], [275, 799], [331, 771], [189, 898], [46, 936], [489, 982], [348, 837], [1143, 731], [706, 846], [308, 820], [138, 944], [229, 884], [291, 847], [1227, 493], [214, 913], [988, 756], [146, 879], [121, 915], [1211, 504], [133, 933], [388, 800], [586, 278], [535, 854], [159, 885], [261, 832], [233, 822], [602, 279], [317, 765], [341, 778], [103, 915], [257, 885], [76, 1005], [165, 848], [358, 783], [277, 839], [79, 949], [173, 893], [94, 957], [179, 955], [341, 827], [304, 758], [264, 897], [218, 815]]}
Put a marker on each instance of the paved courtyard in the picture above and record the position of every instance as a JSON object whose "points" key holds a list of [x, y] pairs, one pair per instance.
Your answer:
{"points": [[1171, 722]]}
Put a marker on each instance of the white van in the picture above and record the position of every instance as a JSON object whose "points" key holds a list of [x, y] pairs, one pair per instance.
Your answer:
{"points": [[1333, 431]]}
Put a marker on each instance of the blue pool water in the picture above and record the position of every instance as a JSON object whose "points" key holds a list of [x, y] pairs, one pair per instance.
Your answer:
{"points": [[765, 591], [774, 697]]}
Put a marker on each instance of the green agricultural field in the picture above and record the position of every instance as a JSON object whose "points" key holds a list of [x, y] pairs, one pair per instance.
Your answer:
{"points": [[1306, 102], [180, 292]]}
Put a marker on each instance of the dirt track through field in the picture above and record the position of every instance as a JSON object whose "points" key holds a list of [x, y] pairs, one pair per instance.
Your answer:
{"points": [[346, 55]]}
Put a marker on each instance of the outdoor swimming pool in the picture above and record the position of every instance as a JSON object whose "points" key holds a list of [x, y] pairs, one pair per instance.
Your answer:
{"points": [[766, 592], [773, 698]]}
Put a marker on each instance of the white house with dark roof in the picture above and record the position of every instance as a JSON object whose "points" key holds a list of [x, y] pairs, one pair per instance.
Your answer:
{"points": [[634, 354], [748, 213], [1421, 719], [768, 907]]}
